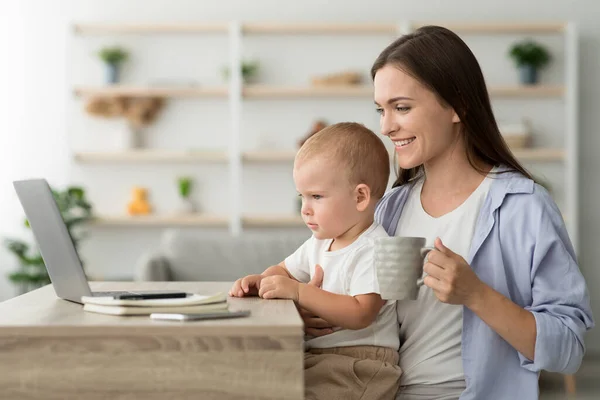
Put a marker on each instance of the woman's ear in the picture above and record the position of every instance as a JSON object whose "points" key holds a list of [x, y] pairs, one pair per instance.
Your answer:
{"points": [[363, 196], [455, 117]]}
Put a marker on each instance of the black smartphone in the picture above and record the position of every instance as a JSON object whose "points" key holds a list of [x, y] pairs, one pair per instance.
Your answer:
{"points": [[150, 295]]}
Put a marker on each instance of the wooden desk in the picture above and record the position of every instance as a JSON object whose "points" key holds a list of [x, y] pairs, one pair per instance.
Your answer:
{"points": [[52, 349]]}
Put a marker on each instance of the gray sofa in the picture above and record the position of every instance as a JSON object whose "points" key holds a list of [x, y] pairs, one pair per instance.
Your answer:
{"points": [[187, 256]]}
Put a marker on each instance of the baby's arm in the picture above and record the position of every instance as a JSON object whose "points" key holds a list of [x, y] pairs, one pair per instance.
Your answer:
{"points": [[250, 284], [345, 311], [359, 307]]}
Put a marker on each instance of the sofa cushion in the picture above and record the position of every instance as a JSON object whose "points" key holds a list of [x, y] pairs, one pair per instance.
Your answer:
{"points": [[222, 257]]}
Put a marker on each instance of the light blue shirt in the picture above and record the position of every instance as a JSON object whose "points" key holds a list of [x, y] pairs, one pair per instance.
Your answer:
{"points": [[521, 249]]}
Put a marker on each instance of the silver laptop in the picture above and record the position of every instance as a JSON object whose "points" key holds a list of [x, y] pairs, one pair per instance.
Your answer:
{"points": [[55, 243]]}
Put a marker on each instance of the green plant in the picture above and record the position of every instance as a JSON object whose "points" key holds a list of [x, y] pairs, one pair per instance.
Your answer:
{"points": [[528, 52], [185, 186], [249, 69], [75, 210], [113, 55]]}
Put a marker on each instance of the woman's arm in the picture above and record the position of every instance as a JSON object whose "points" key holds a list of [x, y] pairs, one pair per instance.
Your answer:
{"points": [[512, 322], [548, 334], [454, 282]]}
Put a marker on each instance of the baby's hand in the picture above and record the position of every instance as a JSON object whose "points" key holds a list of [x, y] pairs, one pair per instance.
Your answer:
{"points": [[279, 287], [246, 286]]}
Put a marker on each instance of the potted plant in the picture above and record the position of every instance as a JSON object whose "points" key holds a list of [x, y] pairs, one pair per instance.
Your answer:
{"points": [[113, 57], [185, 189], [529, 57], [75, 210], [249, 71]]}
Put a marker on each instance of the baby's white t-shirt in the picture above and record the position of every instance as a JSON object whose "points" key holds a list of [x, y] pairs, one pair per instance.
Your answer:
{"points": [[348, 271]]}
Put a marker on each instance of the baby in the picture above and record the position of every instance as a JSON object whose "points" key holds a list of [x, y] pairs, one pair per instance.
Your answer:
{"points": [[341, 173]]}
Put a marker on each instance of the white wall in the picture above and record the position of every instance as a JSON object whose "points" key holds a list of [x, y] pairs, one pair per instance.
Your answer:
{"points": [[41, 123]]}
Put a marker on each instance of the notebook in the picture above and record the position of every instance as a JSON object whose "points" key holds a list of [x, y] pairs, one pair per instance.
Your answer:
{"points": [[128, 310], [193, 304], [193, 300]]}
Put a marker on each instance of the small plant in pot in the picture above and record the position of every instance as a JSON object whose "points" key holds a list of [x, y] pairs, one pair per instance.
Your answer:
{"points": [[113, 57], [185, 185], [529, 57], [249, 71]]}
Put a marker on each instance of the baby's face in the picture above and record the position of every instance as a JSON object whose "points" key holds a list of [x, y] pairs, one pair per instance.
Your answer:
{"points": [[329, 206]]}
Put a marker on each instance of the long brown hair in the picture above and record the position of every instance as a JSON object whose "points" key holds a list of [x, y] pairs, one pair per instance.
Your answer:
{"points": [[441, 61]]}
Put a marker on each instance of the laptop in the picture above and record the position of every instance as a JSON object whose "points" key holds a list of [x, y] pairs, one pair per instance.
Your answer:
{"points": [[56, 245]]}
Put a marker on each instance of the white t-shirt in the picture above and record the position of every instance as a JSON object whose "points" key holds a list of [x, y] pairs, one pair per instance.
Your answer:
{"points": [[348, 271], [430, 331]]}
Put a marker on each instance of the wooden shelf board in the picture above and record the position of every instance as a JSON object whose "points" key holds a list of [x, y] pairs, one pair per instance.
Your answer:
{"points": [[191, 220], [539, 154], [527, 91], [258, 91], [100, 29], [150, 156], [266, 91], [150, 91], [267, 156], [497, 28], [319, 28], [272, 221]]}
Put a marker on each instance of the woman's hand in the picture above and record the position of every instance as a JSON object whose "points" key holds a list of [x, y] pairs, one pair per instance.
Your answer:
{"points": [[451, 278], [313, 325]]}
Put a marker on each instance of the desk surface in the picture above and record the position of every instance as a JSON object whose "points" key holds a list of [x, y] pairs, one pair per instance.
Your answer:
{"points": [[40, 311], [52, 349]]}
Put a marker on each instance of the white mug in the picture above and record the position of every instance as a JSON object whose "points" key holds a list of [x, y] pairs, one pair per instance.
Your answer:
{"points": [[399, 266]]}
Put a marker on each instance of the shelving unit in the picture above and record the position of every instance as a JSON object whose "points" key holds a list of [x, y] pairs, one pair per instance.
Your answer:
{"points": [[236, 93]]}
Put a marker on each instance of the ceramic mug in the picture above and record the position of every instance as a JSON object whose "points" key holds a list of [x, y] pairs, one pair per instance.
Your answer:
{"points": [[399, 266]]}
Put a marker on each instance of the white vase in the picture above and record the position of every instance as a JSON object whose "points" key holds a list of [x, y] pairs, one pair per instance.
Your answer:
{"points": [[127, 137], [186, 206]]}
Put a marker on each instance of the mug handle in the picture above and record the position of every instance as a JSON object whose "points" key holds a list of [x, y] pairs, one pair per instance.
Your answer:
{"points": [[424, 251]]}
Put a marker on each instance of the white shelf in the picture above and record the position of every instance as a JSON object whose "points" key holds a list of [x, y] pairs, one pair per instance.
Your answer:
{"points": [[104, 29], [152, 156], [272, 221], [191, 220], [497, 27], [150, 91], [319, 29]]}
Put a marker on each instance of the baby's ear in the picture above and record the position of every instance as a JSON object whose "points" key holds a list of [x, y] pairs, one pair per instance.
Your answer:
{"points": [[362, 196]]}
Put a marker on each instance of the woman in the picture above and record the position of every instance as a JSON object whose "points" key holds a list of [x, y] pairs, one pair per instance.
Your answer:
{"points": [[503, 296]]}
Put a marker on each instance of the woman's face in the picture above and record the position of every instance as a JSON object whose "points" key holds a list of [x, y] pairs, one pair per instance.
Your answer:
{"points": [[423, 131]]}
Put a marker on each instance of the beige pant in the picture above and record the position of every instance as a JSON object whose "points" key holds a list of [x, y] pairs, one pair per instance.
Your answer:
{"points": [[358, 372]]}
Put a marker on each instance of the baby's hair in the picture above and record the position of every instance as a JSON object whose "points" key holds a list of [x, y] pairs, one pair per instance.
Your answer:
{"points": [[359, 151]]}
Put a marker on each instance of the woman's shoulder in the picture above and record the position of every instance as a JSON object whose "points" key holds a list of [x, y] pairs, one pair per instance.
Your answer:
{"points": [[523, 197]]}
